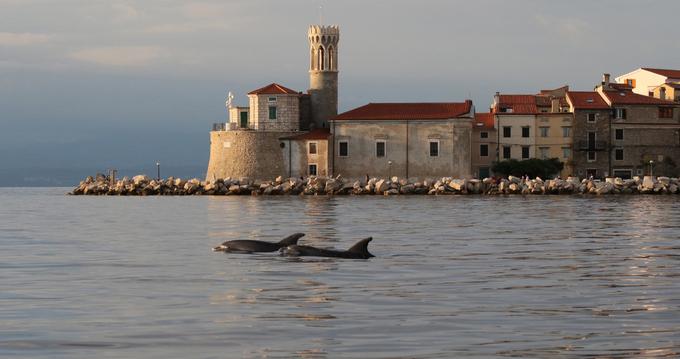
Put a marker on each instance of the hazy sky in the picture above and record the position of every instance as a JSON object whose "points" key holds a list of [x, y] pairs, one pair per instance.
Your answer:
{"points": [[90, 84]]}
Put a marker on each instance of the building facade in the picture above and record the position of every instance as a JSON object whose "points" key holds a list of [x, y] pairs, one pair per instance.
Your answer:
{"points": [[644, 80], [484, 140], [408, 140], [591, 134]]}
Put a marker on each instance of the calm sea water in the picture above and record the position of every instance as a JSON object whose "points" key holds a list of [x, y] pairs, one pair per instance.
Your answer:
{"points": [[483, 277]]}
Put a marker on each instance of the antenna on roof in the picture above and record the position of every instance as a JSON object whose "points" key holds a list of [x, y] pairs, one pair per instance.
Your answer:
{"points": [[320, 13]]}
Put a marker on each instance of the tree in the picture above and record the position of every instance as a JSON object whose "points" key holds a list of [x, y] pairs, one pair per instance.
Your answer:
{"points": [[533, 167]]}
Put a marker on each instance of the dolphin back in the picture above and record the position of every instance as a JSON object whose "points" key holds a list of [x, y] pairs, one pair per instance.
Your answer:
{"points": [[290, 240], [361, 248]]}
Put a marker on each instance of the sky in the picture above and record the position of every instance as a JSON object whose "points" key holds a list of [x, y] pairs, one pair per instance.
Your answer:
{"points": [[87, 85]]}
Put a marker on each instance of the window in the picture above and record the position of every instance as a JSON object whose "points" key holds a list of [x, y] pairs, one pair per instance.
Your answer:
{"points": [[630, 82], [343, 149], [591, 117], [545, 152], [525, 152], [544, 131], [620, 113], [312, 170], [272, 99], [380, 149], [566, 132], [619, 134], [591, 156], [506, 152], [312, 148], [618, 154], [484, 150], [483, 135], [525, 131], [566, 152], [434, 148], [665, 112], [272, 112], [591, 139], [507, 131]]}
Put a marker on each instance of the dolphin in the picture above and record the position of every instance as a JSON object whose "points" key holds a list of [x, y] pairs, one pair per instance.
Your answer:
{"points": [[358, 251], [250, 246]]}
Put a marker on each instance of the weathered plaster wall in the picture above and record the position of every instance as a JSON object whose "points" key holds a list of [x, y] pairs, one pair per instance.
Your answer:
{"points": [[454, 138]]}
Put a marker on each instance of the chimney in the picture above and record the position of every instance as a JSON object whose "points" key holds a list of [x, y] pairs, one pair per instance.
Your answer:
{"points": [[605, 79], [496, 100]]}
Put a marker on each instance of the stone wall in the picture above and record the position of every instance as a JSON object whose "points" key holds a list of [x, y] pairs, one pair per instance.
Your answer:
{"points": [[287, 112], [580, 130], [253, 154]]}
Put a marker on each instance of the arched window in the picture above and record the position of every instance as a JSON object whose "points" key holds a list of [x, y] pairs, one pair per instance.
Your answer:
{"points": [[312, 57], [321, 58], [331, 60]]}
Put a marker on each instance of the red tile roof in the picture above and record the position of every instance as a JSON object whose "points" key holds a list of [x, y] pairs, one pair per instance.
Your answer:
{"points": [[483, 120], [631, 98], [587, 100], [273, 89], [674, 74], [315, 134], [520, 104], [407, 111]]}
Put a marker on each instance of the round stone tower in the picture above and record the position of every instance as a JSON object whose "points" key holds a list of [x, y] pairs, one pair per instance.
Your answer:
{"points": [[323, 73]]}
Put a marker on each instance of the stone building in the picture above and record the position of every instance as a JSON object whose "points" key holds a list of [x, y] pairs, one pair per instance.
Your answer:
{"points": [[408, 140], [620, 133], [271, 137], [483, 149], [591, 134], [644, 132]]}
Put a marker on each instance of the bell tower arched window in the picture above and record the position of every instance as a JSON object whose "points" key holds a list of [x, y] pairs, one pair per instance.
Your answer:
{"points": [[321, 58], [331, 60]]}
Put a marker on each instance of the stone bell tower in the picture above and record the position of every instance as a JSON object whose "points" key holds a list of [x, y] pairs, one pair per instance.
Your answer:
{"points": [[323, 73]]}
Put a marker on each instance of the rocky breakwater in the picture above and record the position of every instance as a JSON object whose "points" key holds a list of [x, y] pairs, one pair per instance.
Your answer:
{"points": [[144, 186]]}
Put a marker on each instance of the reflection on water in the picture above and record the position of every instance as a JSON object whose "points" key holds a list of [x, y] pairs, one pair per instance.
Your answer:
{"points": [[531, 277]]}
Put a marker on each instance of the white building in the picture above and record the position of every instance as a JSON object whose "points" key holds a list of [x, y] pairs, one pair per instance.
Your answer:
{"points": [[644, 80]]}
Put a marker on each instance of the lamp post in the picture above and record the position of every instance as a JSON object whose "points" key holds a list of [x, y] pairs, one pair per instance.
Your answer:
{"points": [[158, 171], [651, 168], [389, 170]]}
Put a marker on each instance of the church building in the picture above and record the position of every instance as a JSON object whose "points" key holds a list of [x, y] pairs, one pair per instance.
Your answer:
{"points": [[288, 133]]}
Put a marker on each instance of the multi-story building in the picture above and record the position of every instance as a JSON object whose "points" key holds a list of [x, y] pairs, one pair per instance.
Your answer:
{"points": [[644, 132], [620, 133], [644, 80], [484, 139], [590, 133], [408, 140], [534, 126], [515, 121]]}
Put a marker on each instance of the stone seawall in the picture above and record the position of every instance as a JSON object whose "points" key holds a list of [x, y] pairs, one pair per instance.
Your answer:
{"points": [[143, 186]]}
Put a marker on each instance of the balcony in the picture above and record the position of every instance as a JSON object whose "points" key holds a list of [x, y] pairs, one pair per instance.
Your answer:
{"points": [[590, 146]]}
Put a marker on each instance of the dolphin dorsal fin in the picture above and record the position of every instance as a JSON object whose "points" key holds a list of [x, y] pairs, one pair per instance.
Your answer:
{"points": [[361, 246], [291, 240]]}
